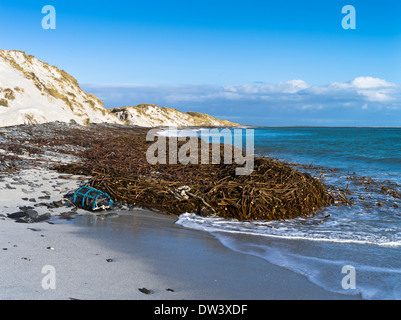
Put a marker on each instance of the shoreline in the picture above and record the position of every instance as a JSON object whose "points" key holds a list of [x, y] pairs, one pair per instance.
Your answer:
{"points": [[146, 250], [215, 272], [102, 259]]}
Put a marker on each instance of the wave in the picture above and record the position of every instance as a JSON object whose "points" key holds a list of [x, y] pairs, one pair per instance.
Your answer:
{"points": [[298, 254], [366, 234], [289, 232]]}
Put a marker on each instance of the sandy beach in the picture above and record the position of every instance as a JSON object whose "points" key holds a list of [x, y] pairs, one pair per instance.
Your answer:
{"points": [[112, 257], [52, 250], [196, 153]]}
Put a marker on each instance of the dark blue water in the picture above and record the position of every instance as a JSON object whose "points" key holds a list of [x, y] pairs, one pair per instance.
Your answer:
{"points": [[365, 235]]}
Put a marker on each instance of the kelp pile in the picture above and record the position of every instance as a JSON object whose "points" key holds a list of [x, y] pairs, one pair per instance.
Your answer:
{"points": [[274, 190]]}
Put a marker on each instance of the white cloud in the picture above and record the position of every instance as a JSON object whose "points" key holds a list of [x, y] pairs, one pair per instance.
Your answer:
{"points": [[296, 94], [378, 96], [361, 101], [363, 83], [369, 88], [370, 83], [292, 86]]}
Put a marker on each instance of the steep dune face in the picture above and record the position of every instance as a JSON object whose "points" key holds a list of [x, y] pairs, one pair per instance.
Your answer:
{"points": [[32, 91], [149, 115]]}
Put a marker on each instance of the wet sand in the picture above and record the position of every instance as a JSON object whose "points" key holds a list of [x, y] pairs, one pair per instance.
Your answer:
{"points": [[194, 264], [103, 258]]}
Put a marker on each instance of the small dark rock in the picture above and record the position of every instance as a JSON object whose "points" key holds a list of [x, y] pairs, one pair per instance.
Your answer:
{"points": [[42, 217], [32, 213], [24, 208], [41, 204], [145, 291], [17, 215], [57, 204]]}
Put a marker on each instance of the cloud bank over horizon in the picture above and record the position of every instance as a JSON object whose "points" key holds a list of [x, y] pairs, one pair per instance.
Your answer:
{"points": [[363, 101]]}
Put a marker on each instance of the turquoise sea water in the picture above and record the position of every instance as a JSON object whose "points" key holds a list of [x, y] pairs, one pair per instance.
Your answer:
{"points": [[372, 151], [365, 235]]}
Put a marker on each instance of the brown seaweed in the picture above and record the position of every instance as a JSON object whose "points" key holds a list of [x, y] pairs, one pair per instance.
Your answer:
{"points": [[274, 190]]}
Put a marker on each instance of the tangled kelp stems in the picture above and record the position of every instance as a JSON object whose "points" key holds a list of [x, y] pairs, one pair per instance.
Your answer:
{"points": [[274, 190]]}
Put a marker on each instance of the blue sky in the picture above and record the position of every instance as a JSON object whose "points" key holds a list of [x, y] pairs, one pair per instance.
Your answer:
{"points": [[258, 62]]}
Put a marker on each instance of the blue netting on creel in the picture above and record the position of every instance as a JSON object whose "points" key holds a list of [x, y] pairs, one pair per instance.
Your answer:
{"points": [[92, 199]]}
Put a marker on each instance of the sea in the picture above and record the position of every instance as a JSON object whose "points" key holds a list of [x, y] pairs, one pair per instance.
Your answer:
{"points": [[352, 249]]}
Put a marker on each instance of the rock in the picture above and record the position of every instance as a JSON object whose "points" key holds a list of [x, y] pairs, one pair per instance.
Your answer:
{"points": [[145, 291], [24, 208], [24, 258], [58, 204], [32, 218], [17, 215], [43, 217], [33, 229], [54, 204], [32, 213], [41, 204]]}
